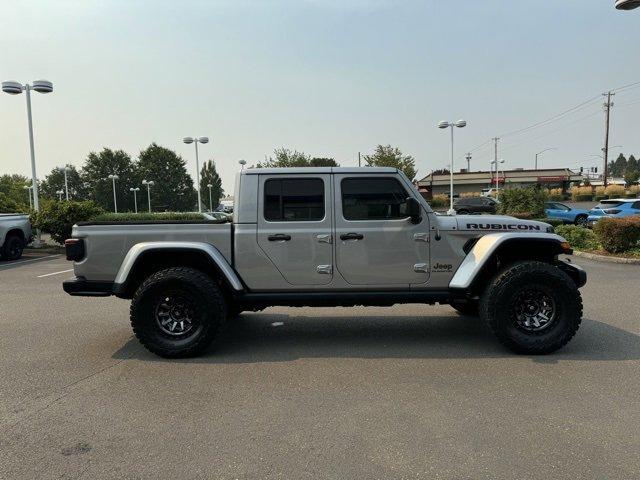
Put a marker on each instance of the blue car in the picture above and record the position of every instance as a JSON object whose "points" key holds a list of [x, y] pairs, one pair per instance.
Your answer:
{"points": [[567, 214], [614, 208]]}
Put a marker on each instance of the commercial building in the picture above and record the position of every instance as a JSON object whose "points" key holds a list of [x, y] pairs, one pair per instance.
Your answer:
{"points": [[474, 182]]}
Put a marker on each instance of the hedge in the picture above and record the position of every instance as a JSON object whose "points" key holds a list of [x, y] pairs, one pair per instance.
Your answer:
{"points": [[57, 218], [617, 235], [521, 201], [601, 197], [579, 237]]}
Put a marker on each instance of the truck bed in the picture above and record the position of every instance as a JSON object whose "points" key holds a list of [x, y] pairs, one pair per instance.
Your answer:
{"points": [[107, 243]]}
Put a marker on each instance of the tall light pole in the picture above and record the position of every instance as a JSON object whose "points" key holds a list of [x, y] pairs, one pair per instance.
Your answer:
{"points": [[113, 179], [496, 162], [197, 140], [16, 88], [445, 124], [468, 157], [135, 198], [242, 164], [210, 197], [60, 193], [148, 183], [540, 153], [65, 169], [28, 189]]}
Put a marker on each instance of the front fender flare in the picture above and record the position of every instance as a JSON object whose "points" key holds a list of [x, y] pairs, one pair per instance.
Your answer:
{"points": [[488, 244], [214, 254]]}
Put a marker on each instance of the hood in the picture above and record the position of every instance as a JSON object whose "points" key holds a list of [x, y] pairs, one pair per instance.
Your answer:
{"points": [[499, 223]]}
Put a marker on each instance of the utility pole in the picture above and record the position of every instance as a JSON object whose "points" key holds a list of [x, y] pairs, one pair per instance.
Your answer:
{"points": [[605, 150], [359, 162], [468, 157], [495, 158]]}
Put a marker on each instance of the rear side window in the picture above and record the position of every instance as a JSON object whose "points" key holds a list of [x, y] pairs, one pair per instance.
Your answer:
{"points": [[367, 198], [294, 199], [636, 205], [607, 204]]}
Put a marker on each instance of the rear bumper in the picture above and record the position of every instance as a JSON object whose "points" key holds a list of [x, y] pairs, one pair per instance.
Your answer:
{"points": [[79, 287]]}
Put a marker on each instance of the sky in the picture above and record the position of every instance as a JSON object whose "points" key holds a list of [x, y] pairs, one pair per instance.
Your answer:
{"points": [[330, 78]]}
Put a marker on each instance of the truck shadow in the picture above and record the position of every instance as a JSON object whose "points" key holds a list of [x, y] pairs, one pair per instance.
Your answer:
{"points": [[266, 337]]}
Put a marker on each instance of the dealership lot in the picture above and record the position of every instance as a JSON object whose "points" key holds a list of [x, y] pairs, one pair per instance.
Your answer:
{"points": [[403, 392]]}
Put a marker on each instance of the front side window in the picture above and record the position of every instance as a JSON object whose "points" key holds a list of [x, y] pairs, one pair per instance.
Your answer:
{"points": [[370, 198], [294, 199]]}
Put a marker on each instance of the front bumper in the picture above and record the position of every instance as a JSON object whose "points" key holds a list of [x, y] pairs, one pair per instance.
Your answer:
{"points": [[577, 273], [80, 287]]}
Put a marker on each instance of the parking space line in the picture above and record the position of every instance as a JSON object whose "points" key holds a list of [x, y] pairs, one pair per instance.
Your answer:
{"points": [[55, 273], [27, 261]]}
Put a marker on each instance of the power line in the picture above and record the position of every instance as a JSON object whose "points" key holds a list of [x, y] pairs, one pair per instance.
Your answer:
{"points": [[628, 86]]}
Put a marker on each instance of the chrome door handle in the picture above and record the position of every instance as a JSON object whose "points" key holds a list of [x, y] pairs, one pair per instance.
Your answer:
{"points": [[324, 269], [421, 237], [420, 268], [324, 238]]}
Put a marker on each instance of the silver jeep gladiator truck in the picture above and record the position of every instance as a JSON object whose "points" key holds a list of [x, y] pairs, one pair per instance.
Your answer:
{"points": [[329, 237], [15, 234]]}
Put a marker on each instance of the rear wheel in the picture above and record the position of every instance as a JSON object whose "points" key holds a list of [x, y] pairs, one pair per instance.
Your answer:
{"points": [[532, 307], [177, 312], [12, 248]]}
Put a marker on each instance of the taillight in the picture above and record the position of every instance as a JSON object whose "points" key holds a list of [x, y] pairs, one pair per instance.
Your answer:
{"points": [[611, 211], [74, 248]]}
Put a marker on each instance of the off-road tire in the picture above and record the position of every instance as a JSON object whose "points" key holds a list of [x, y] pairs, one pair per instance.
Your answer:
{"points": [[12, 248], [201, 292], [497, 307], [466, 307]]}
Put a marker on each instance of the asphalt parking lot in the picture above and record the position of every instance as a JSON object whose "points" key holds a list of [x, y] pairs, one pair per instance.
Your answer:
{"points": [[402, 392]]}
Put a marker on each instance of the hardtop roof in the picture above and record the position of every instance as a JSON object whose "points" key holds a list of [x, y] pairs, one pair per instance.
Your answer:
{"points": [[317, 170]]}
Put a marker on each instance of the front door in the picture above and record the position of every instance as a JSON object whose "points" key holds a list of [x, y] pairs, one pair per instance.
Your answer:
{"points": [[376, 243], [295, 226]]}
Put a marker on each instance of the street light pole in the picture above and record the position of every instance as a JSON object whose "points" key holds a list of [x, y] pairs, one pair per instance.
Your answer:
{"points": [[210, 198], [197, 140], [540, 153], [65, 169], [135, 198], [148, 183], [113, 178], [442, 125], [60, 193], [496, 162]]}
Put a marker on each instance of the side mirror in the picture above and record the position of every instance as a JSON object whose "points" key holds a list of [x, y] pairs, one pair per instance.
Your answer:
{"points": [[413, 210]]}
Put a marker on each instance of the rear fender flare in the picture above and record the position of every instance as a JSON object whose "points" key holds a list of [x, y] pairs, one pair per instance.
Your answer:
{"points": [[139, 249]]}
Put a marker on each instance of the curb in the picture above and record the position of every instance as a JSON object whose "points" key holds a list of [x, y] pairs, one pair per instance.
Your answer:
{"points": [[607, 259]]}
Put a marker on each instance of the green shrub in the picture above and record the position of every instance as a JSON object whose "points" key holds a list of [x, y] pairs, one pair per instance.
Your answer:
{"points": [[147, 217], [617, 235], [630, 195], [584, 198], [57, 218], [601, 197], [579, 238], [439, 201], [523, 201]]}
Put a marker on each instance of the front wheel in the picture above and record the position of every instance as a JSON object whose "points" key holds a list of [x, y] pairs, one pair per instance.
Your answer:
{"points": [[532, 307], [178, 312]]}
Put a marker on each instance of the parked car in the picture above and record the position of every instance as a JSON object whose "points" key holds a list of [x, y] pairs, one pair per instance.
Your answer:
{"points": [[614, 208], [465, 206], [330, 237], [567, 214], [218, 216], [15, 234], [489, 192]]}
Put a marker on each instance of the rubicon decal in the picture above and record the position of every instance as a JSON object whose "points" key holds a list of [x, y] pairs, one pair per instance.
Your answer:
{"points": [[500, 226]]}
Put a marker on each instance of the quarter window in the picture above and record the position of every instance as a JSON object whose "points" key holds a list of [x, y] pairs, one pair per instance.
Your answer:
{"points": [[381, 198], [294, 199]]}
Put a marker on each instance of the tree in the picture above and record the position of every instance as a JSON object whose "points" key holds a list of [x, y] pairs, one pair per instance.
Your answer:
{"points": [[632, 163], [95, 175], [13, 196], [55, 181], [323, 162], [441, 171], [173, 189], [209, 176], [631, 177], [283, 157], [388, 156], [618, 166]]}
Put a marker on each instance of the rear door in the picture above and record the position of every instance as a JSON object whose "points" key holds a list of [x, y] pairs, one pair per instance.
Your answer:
{"points": [[376, 243], [295, 226]]}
